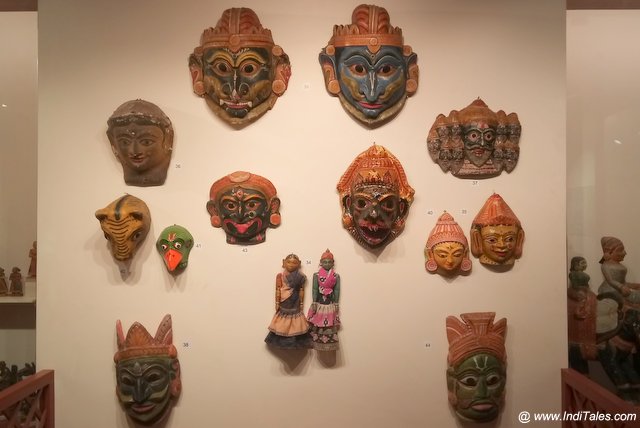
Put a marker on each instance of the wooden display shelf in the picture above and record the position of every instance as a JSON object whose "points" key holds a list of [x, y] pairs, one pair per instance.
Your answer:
{"points": [[29, 297]]}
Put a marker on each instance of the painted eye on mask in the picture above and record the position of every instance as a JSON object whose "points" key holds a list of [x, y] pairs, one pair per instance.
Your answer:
{"points": [[252, 205], [177, 245], [386, 70], [493, 379], [469, 381], [358, 69], [250, 68], [230, 206], [361, 203], [222, 68], [388, 204]]}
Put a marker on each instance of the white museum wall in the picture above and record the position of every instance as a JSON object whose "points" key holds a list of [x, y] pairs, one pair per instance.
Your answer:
{"points": [[390, 371], [603, 135], [18, 174]]}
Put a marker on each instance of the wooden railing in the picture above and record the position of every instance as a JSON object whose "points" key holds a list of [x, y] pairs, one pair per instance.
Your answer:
{"points": [[29, 403], [587, 400]]}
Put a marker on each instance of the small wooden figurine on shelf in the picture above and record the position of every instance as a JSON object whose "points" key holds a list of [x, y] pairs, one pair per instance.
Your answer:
{"points": [[289, 328], [17, 285], [11, 376], [4, 290], [476, 373], [147, 371], [324, 313], [238, 69], [581, 317], [33, 255], [615, 273], [447, 249]]}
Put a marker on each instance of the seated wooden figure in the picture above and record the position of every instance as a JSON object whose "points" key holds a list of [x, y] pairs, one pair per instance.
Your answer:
{"points": [[4, 289], [141, 138], [368, 66], [497, 236], [147, 371], [447, 249], [375, 197], [476, 372], [17, 284], [238, 69], [475, 142]]}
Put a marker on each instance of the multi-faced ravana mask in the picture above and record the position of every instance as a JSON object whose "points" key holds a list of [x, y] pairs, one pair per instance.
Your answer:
{"points": [[238, 69], [475, 142]]}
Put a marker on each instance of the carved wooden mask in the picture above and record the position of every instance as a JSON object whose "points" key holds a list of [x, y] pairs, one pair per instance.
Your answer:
{"points": [[368, 66], [447, 249], [147, 371], [174, 245], [125, 223], [497, 236], [244, 205], [141, 137], [475, 142], [238, 69], [375, 197], [476, 372]]}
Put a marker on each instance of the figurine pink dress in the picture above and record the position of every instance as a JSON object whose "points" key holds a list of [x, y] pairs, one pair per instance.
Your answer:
{"points": [[324, 314]]}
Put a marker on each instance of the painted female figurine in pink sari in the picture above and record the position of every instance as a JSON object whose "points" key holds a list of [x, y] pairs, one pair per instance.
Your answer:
{"points": [[289, 328], [324, 314]]}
